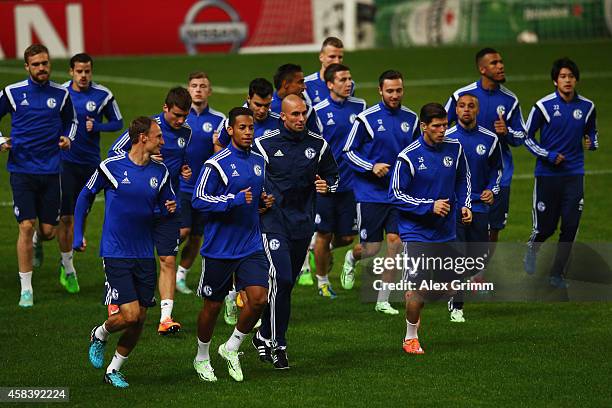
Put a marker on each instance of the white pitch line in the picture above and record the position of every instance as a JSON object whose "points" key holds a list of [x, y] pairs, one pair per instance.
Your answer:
{"points": [[524, 176], [153, 83]]}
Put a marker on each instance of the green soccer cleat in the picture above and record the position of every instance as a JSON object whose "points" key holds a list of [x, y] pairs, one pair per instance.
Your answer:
{"points": [[386, 308], [456, 316], [311, 261], [70, 281], [116, 379], [205, 370], [326, 291], [230, 314], [26, 299], [347, 276], [233, 362], [182, 287]]}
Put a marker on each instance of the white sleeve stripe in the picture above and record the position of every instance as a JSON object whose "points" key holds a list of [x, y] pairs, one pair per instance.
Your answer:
{"points": [[10, 98], [543, 110], [208, 198], [122, 142], [359, 162], [540, 151], [108, 175], [322, 150], [351, 137], [261, 150], [468, 180], [402, 196], [588, 115], [92, 179]]}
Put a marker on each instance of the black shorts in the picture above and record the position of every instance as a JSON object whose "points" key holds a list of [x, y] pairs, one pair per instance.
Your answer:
{"points": [[36, 196], [74, 177], [337, 213], [429, 261], [190, 217], [166, 234], [128, 280], [498, 213], [374, 219], [218, 275]]}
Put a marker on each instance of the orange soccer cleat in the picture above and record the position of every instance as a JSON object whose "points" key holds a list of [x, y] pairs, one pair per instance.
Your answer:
{"points": [[412, 346], [168, 326]]}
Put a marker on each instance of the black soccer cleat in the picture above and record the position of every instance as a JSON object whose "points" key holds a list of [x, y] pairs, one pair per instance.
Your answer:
{"points": [[279, 358], [264, 351]]}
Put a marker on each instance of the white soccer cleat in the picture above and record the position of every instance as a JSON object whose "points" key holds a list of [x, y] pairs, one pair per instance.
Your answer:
{"points": [[347, 277], [386, 308], [205, 370]]}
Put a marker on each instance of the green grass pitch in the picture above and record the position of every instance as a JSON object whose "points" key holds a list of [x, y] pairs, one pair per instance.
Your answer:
{"points": [[342, 353]]}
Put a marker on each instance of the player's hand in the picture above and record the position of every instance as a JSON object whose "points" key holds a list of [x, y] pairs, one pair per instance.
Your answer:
{"points": [[587, 142], [89, 123], [559, 159], [500, 125], [186, 172], [83, 246], [320, 185], [441, 207], [170, 206], [248, 195], [487, 197], [380, 169], [466, 215], [268, 199], [6, 146], [64, 143], [157, 157]]}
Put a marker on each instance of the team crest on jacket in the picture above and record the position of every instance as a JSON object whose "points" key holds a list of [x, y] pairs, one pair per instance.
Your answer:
{"points": [[181, 142], [481, 149], [405, 127], [257, 169], [448, 161], [577, 114], [90, 106], [207, 127], [153, 182], [310, 153], [51, 103], [501, 110]]}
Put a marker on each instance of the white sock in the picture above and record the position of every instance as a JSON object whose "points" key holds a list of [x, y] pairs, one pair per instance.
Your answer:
{"points": [[116, 363], [26, 281], [232, 295], [312, 242], [166, 309], [306, 265], [235, 340], [101, 332], [35, 238], [181, 273], [350, 257], [411, 330], [383, 295], [203, 351], [322, 280], [67, 262]]}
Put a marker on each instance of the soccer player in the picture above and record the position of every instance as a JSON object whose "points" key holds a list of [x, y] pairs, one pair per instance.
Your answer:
{"points": [[378, 135], [500, 113], [289, 80], [177, 135], [204, 122], [299, 164], [335, 213], [565, 120], [92, 103], [43, 123], [332, 52], [427, 177], [135, 188], [483, 155], [228, 192], [258, 101]]}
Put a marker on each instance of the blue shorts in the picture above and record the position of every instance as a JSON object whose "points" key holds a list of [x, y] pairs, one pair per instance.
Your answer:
{"points": [[476, 231], [36, 196], [218, 275], [498, 213], [336, 213], [374, 219], [166, 234], [128, 280], [74, 177], [190, 217]]}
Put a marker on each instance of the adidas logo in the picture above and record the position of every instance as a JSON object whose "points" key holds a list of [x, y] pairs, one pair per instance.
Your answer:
{"points": [[557, 113], [381, 128], [235, 174], [126, 181], [331, 122], [278, 153], [422, 167], [24, 103]]}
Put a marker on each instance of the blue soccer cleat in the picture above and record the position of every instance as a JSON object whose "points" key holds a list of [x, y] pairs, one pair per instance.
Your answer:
{"points": [[96, 350], [116, 379]]}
